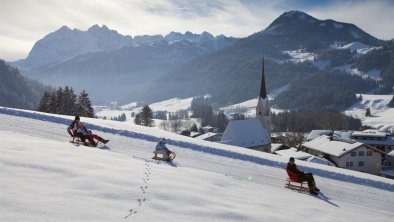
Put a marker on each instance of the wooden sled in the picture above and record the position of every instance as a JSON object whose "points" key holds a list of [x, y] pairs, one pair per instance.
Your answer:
{"points": [[159, 156], [77, 141], [294, 185]]}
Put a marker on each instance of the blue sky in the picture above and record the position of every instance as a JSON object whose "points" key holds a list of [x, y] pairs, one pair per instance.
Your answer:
{"points": [[24, 22]]}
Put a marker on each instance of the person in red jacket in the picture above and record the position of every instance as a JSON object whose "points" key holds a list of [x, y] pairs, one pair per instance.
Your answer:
{"points": [[298, 176], [77, 129]]}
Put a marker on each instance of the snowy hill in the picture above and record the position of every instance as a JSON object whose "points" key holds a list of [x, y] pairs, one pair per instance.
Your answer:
{"points": [[45, 178], [382, 116], [359, 47], [171, 105]]}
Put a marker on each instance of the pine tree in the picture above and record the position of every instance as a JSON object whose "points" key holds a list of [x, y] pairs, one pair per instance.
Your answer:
{"points": [[367, 112], [122, 117], [59, 100], [84, 105], [69, 101], [137, 119], [147, 116], [52, 102], [44, 105], [221, 121]]}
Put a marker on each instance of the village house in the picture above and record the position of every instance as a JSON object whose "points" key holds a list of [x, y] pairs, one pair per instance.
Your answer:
{"points": [[380, 140], [388, 168], [353, 156]]}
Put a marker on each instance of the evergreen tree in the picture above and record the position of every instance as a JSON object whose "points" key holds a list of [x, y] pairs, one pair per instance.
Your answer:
{"points": [[367, 112], [52, 103], [203, 111], [84, 106], [220, 121], [137, 119], [44, 105], [122, 117], [69, 101], [147, 116], [59, 100]]}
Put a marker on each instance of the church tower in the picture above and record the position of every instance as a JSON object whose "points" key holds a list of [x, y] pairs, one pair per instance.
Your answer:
{"points": [[263, 111]]}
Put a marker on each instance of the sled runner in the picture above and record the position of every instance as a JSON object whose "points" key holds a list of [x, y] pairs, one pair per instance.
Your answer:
{"points": [[294, 185], [77, 141], [159, 156]]}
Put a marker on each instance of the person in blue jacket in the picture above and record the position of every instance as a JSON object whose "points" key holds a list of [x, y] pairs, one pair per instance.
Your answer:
{"points": [[162, 148]]}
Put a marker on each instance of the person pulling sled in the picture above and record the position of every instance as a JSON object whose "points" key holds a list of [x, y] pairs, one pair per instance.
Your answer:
{"points": [[162, 149], [78, 130]]}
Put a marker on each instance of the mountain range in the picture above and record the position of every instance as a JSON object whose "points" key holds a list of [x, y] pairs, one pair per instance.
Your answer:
{"points": [[149, 68]]}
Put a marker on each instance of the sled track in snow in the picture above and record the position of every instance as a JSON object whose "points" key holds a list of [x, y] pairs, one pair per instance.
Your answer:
{"points": [[201, 148]]}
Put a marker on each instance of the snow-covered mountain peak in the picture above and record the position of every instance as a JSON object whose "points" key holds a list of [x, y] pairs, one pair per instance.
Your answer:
{"points": [[188, 36], [65, 43], [295, 14]]}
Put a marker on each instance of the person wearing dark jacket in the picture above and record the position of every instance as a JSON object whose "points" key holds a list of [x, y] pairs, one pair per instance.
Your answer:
{"points": [[77, 129], [298, 176]]}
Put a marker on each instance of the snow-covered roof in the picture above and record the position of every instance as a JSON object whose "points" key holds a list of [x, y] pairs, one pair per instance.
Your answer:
{"points": [[245, 133], [369, 133], [194, 134], [292, 152], [276, 146], [345, 136], [388, 141], [206, 136], [333, 147], [315, 159], [316, 133]]}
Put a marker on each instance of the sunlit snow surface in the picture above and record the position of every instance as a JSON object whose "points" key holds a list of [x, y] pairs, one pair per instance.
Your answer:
{"points": [[46, 178]]}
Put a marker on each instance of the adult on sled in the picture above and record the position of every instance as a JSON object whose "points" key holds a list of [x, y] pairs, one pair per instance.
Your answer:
{"points": [[298, 176], [77, 129], [162, 149]]}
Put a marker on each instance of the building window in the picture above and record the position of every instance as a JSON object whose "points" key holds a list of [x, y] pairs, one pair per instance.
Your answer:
{"points": [[361, 163], [349, 164], [353, 153], [361, 153], [369, 153]]}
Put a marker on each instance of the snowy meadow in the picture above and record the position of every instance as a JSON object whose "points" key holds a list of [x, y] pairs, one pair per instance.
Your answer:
{"points": [[46, 178]]}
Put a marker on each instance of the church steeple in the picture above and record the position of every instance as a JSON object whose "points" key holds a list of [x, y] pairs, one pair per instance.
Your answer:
{"points": [[263, 91], [263, 111]]}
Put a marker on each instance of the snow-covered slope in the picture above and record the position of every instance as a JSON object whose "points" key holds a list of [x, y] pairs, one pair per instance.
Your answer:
{"points": [[382, 116], [170, 105], [359, 47], [45, 178]]}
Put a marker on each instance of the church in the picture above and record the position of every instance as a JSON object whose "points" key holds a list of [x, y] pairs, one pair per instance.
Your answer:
{"points": [[252, 133]]}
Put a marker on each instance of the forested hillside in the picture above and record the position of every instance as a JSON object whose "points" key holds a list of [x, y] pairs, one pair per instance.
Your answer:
{"points": [[18, 91]]}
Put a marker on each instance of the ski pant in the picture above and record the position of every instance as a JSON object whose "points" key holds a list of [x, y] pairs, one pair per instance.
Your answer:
{"points": [[309, 178]]}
